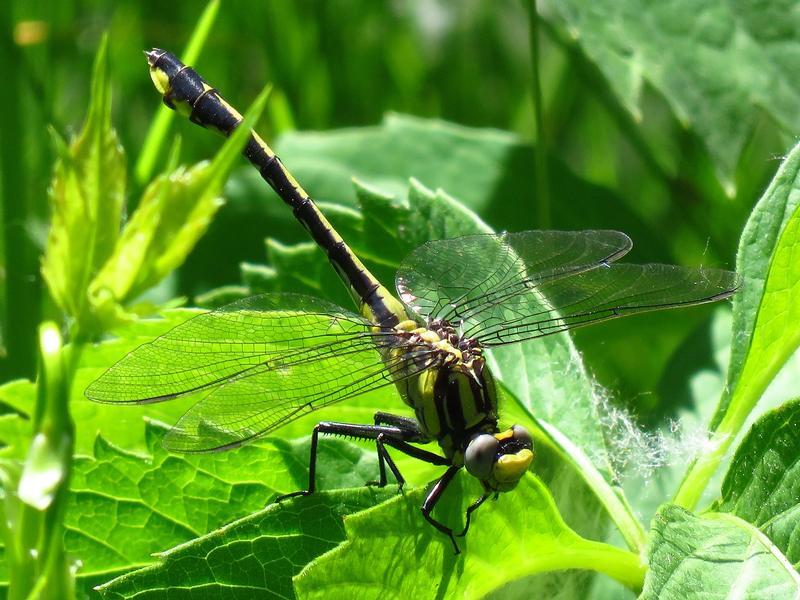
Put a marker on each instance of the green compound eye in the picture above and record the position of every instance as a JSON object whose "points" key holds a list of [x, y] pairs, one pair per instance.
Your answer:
{"points": [[480, 455]]}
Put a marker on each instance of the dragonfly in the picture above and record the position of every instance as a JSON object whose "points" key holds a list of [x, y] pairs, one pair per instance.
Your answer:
{"points": [[264, 361]]}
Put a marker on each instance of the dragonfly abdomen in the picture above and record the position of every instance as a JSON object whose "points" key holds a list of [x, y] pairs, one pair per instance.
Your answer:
{"points": [[185, 91]]}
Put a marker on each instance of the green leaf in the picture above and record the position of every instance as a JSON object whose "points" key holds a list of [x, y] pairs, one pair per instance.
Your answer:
{"points": [[715, 555], [86, 199], [520, 535], [763, 483], [488, 170], [545, 376], [724, 64], [765, 313], [174, 213], [125, 506], [254, 556]]}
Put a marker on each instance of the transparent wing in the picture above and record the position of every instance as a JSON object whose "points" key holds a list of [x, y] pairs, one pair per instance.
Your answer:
{"points": [[607, 292], [268, 397], [455, 279], [507, 288], [264, 360], [211, 348]]}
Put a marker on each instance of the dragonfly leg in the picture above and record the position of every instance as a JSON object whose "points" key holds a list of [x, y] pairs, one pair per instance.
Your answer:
{"points": [[389, 436], [312, 467], [472, 508], [433, 498], [385, 459], [409, 425]]}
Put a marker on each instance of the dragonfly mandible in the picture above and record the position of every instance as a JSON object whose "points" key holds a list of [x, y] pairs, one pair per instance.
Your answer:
{"points": [[264, 361]]}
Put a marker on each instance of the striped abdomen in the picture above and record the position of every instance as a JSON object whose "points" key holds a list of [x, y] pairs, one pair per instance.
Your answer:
{"points": [[185, 91]]}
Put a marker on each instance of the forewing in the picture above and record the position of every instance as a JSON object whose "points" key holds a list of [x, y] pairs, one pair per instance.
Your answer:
{"points": [[506, 288], [270, 396], [229, 342], [459, 279], [599, 294]]}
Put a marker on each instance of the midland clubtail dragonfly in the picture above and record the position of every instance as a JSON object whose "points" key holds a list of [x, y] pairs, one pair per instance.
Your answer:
{"points": [[264, 361]]}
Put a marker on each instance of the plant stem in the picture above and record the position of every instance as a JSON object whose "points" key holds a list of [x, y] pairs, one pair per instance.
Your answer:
{"points": [[746, 395], [40, 562], [542, 179], [621, 565]]}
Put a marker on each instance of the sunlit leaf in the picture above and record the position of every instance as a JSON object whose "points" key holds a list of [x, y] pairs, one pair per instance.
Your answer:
{"points": [[175, 211], [520, 535], [124, 506], [762, 486], [254, 556], [765, 314], [86, 199], [715, 555]]}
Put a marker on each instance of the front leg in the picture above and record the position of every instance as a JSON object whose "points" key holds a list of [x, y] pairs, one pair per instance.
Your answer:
{"points": [[433, 498]]}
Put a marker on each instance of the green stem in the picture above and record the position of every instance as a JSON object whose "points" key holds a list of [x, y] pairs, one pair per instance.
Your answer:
{"points": [[621, 565], [745, 396], [542, 179], [40, 561]]}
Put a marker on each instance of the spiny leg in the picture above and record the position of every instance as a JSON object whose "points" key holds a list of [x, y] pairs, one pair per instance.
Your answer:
{"points": [[407, 424], [383, 460], [433, 498], [411, 433], [391, 436]]}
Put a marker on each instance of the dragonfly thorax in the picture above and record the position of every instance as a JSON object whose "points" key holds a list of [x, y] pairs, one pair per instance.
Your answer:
{"points": [[453, 396], [442, 336]]}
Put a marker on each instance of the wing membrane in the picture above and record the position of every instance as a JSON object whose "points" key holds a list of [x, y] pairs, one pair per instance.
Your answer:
{"points": [[263, 361], [454, 279], [507, 288], [268, 397], [214, 347], [600, 294]]}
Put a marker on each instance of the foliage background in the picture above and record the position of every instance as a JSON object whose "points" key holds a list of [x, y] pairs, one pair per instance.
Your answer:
{"points": [[625, 146]]}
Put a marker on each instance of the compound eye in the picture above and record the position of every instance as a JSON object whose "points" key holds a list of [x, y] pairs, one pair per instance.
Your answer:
{"points": [[522, 436], [481, 455]]}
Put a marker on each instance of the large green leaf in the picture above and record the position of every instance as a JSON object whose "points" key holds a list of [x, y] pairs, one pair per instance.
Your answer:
{"points": [[256, 556], [519, 536], [763, 483], [124, 507], [765, 314], [715, 555], [259, 554], [717, 64]]}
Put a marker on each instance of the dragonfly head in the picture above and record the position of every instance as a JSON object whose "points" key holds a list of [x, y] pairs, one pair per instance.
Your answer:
{"points": [[500, 459]]}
